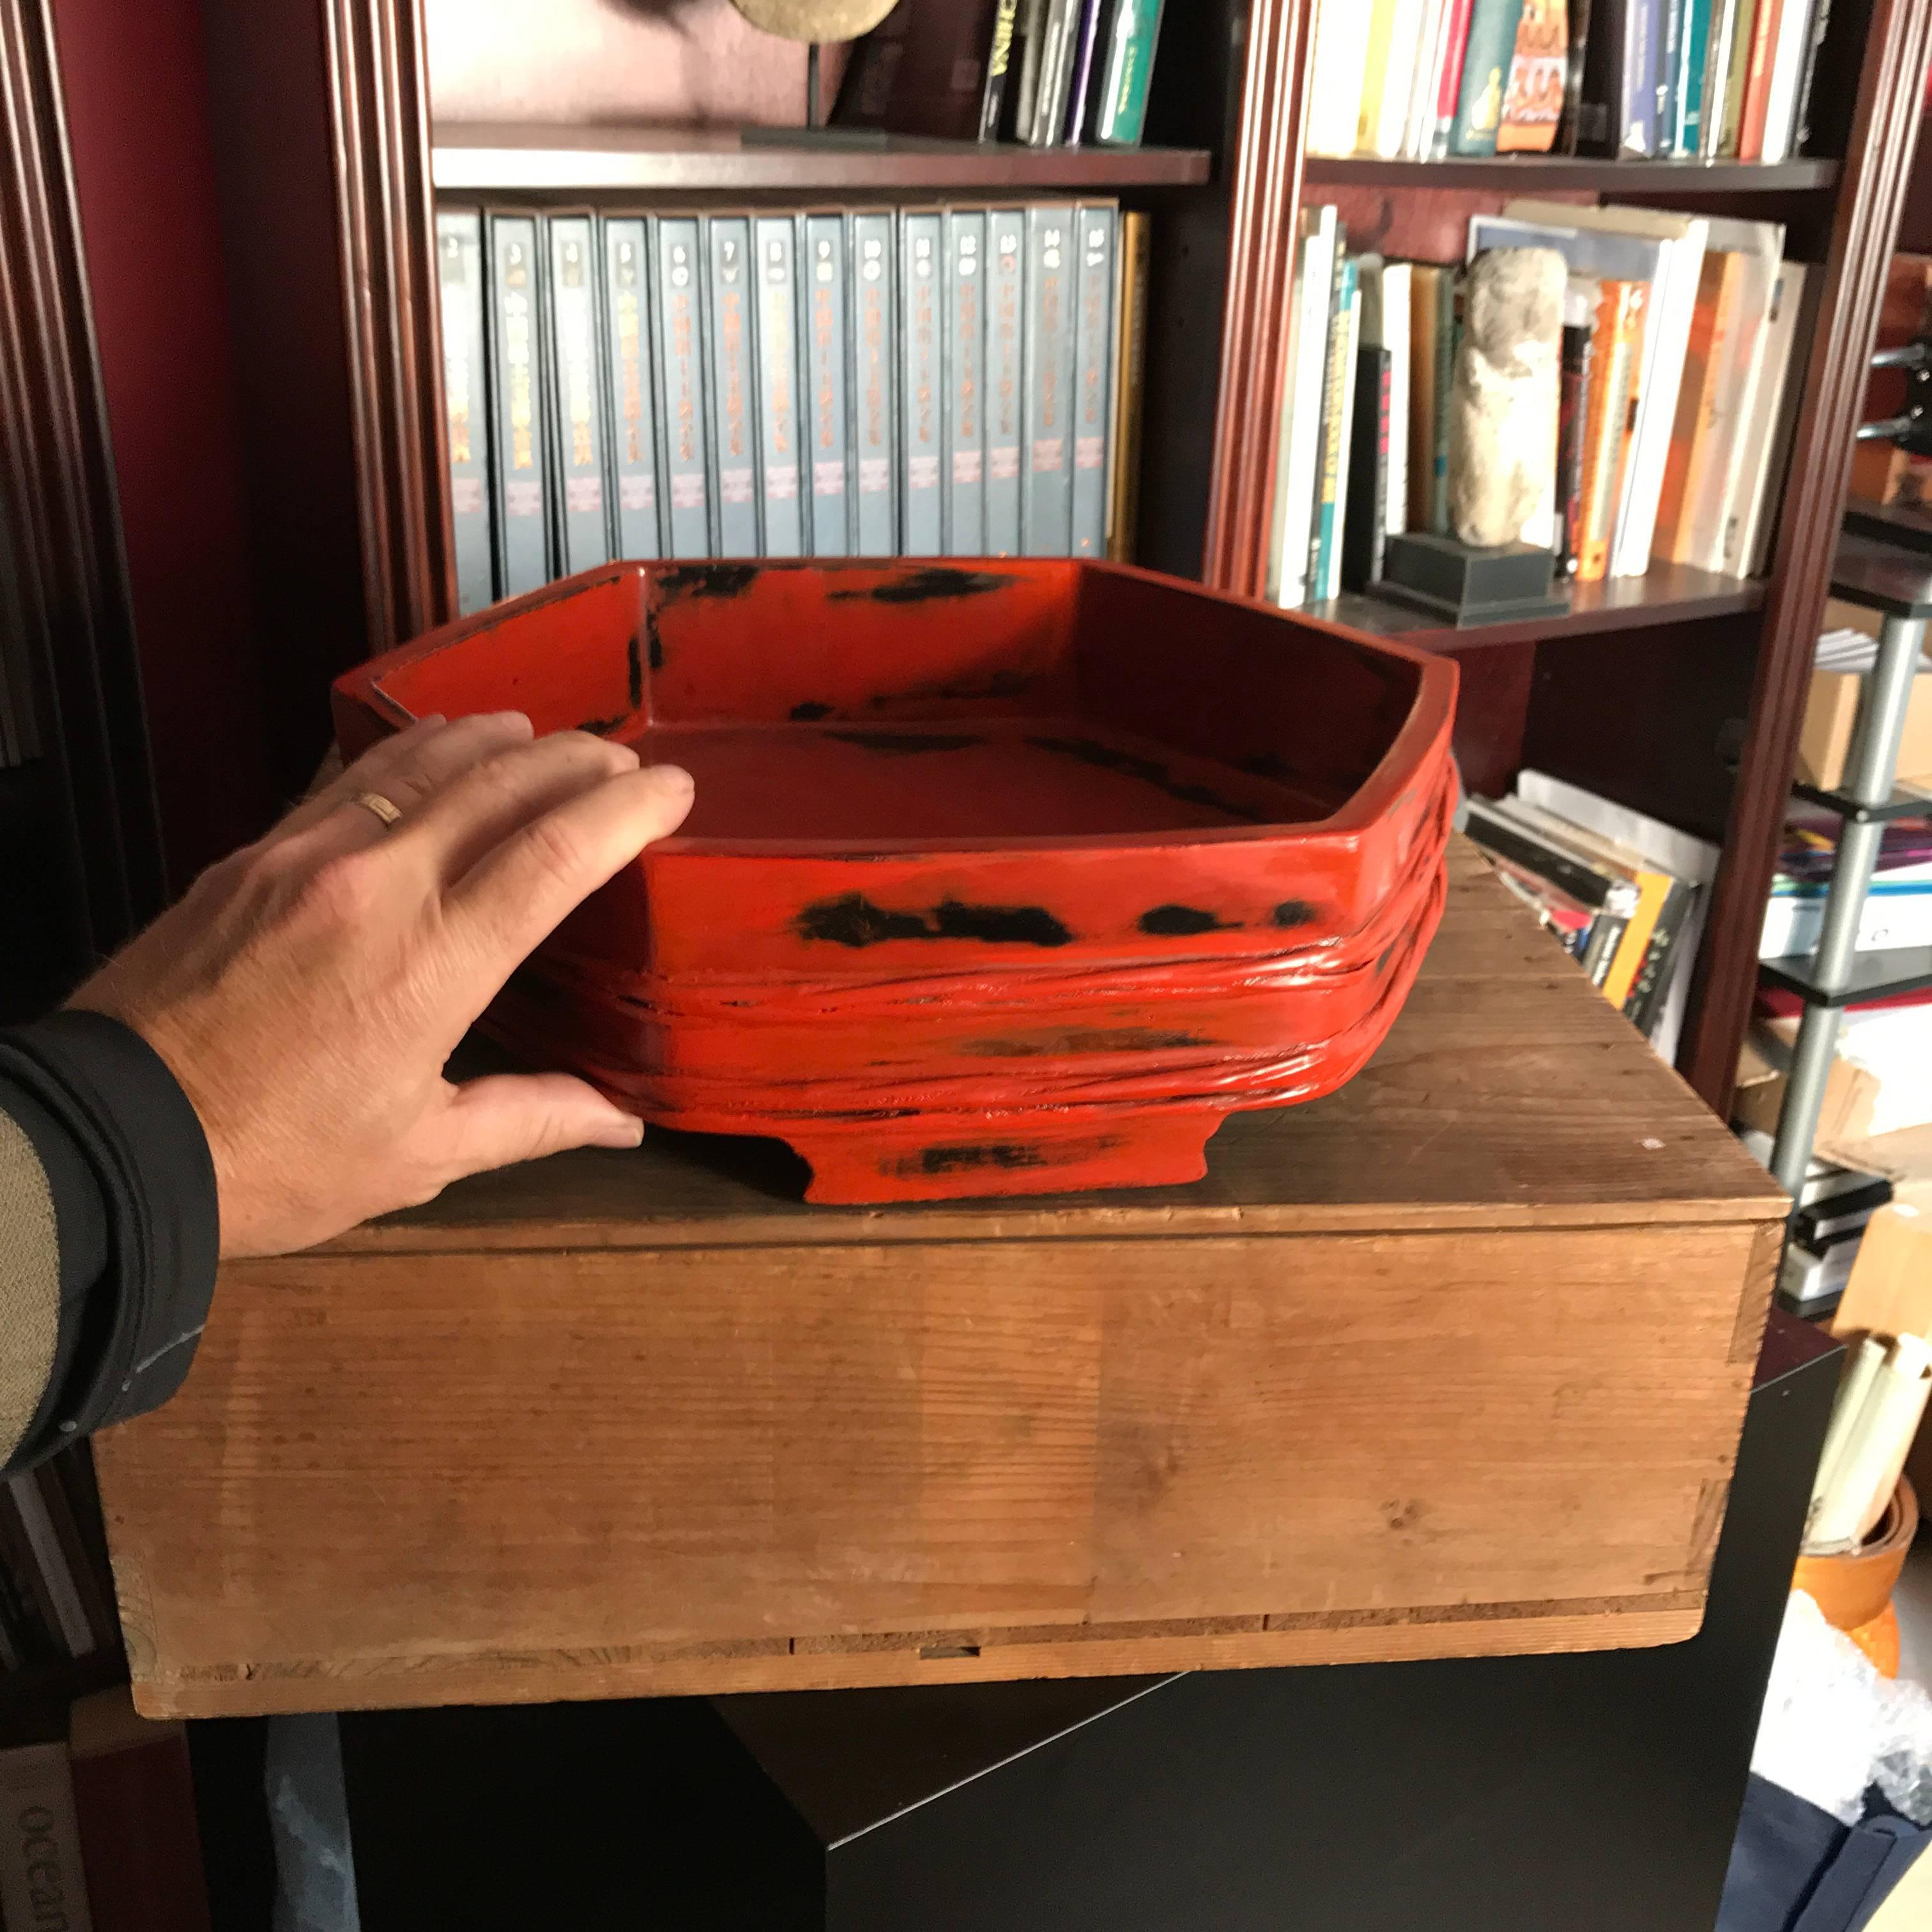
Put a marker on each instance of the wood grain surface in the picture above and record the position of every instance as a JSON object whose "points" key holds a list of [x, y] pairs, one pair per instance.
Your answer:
{"points": [[1453, 1363]]}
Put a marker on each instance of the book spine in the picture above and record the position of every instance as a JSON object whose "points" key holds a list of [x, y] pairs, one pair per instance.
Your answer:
{"points": [[1791, 53], [822, 300], [1428, 77], [1337, 78], [1029, 33], [1690, 443], [921, 384], [1046, 491], [1486, 69], [1449, 90], [1407, 29], [1095, 238], [732, 391], [1751, 505], [1572, 422], [577, 411], [1123, 487], [523, 467], [1375, 76], [1637, 109], [873, 411], [775, 245], [1687, 135], [631, 432], [42, 1880], [1653, 975], [681, 386], [1129, 73], [1533, 99], [1737, 77], [1821, 23], [1080, 96], [1329, 428], [999, 62], [1351, 340], [1397, 306], [1448, 335], [964, 458], [1613, 363], [1606, 935], [1006, 308], [1717, 76], [1059, 23], [1365, 533], [1425, 317], [1669, 53], [1758, 79], [459, 239], [1496, 831]]}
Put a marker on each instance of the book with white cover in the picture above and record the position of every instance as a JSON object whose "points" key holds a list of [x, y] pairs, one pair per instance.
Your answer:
{"points": [[1386, 291], [1752, 494], [1298, 445], [1406, 26], [1787, 70], [1667, 340], [1335, 81]]}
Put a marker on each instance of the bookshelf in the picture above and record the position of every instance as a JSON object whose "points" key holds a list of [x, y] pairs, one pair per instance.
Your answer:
{"points": [[335, 127]]}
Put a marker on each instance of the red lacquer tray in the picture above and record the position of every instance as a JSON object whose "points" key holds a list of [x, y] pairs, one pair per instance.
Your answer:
{"points": [[1003, 877]]}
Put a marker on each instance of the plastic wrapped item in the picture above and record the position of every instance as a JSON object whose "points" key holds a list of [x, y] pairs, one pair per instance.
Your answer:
{"points": [[1832, 1726]]}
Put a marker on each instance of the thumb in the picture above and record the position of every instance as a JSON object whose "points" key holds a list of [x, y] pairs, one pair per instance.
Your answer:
{"points": [[511, 1117]]}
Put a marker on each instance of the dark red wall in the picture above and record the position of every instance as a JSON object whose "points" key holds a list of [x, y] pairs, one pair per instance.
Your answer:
{"points": [[138, 123]]}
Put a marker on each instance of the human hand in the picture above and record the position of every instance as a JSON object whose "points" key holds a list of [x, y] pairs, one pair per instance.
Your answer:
{"points": [[309, 989]]}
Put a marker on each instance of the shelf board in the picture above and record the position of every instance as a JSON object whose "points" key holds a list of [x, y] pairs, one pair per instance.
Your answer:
{"points": [[1903, 524], [1504, 172], [1668, 593], [476, 158], [1902, 804], [1875, 975]]}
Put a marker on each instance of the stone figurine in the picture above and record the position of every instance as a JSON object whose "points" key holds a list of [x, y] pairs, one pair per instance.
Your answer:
{"points": [[1503, 408]]}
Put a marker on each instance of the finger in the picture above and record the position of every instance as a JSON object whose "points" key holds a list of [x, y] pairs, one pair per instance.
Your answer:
{"points": [[500, 795], [408, 770], [516, 896], [511, 1117]]}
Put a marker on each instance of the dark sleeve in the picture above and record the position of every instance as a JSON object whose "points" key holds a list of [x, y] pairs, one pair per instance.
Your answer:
{"points": [[108, 1232]]}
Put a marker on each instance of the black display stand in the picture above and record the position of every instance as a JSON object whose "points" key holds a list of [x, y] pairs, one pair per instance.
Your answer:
{"points": [[1594, 1793], [1465, 585]]}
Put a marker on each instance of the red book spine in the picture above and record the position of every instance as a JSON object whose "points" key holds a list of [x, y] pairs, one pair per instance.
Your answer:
{"points": [[1455, 45], [1757, 86]]}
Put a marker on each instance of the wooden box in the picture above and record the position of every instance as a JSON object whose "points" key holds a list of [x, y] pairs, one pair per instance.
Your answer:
{"points": [[1451, 1363]]}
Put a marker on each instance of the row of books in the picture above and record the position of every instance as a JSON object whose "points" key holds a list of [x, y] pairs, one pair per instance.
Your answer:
{"points": [[1046, 72], [100, 1828], [1625, 895], [56, 1594], [1897, 911], [962, 381], [1676, 411], [1645, 79]]}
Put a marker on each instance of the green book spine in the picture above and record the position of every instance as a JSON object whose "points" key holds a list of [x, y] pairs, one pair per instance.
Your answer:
{"points": [[1742, 36], [1690, 132], [1335, 419], [1135, 29], [1485, 68], [1448, 330]]}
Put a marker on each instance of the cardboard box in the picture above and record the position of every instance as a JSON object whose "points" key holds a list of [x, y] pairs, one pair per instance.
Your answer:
{"points": [[1824, 739], [1851, 1093]]}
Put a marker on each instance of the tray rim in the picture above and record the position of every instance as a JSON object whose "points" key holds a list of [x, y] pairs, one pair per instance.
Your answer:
{"points": [[1429, 718]]}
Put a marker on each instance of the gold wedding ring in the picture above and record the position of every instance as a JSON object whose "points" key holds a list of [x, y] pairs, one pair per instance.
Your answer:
{"points": [[385, 809]]}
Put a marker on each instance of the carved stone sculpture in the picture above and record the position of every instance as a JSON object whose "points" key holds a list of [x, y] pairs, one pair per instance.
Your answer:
{"points": [[1503, 409]]}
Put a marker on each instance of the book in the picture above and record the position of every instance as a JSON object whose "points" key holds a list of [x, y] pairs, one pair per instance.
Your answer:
{"points": [[1096, 229], [1896, 913], [1006, 377], [42, 1880], [924, 70], [1490, 54], [922, 383], [134, 1809], [1611, 898], [1338, 442], [1706, 356], [1680, 240], [1427, 288], [459, 248], [1086, 39], [1127, 72], [1669, 54], [1723, 31], [1579, 317], [1539, 74], [822, 284], [1299, 442], [1789, 57], [1449, 77], [522, 460], [1418, 136], [1060, 25], [1687, 134], [1770, 424], [781, 474], [1365, 533], [964, 456], [1756, 104], [631, 432], [1406, 27], [1123, 456], [1023, 97], [1375, 75], [1620, 77], [1046, 499], [1821, 22], [999, 65], [873, 405], [1737, 73], [64, 1591], [679, 269], [1615, 362], [1336, 77], [1386, 289], [1448, 341], [577, 402], [731, 414]]}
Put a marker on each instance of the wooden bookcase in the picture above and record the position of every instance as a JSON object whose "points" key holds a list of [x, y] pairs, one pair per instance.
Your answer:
{"points": [[1679, 693]]}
